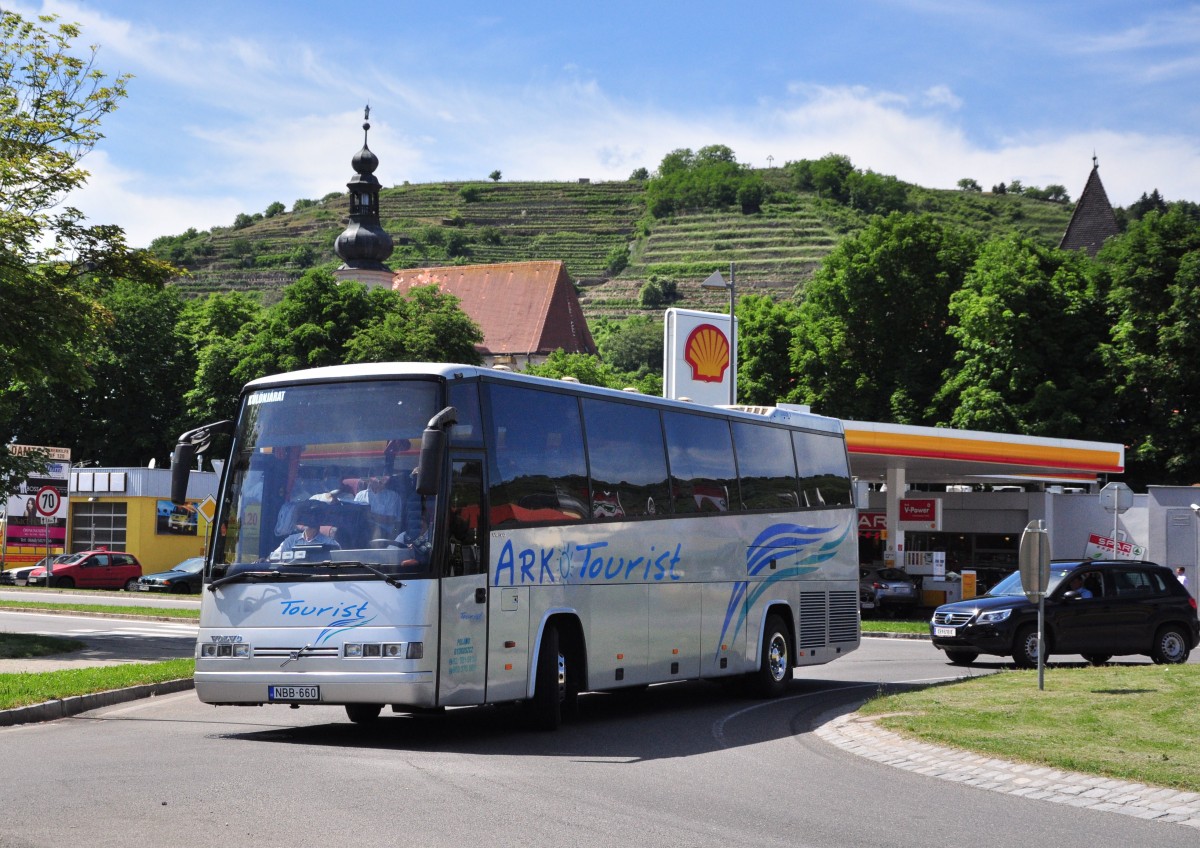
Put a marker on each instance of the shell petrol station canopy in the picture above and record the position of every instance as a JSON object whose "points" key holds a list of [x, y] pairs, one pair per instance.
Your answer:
{"points": [[940, 455]]}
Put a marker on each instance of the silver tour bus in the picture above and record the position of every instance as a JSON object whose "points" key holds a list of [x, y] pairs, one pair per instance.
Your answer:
{"points": [[425, 536]]}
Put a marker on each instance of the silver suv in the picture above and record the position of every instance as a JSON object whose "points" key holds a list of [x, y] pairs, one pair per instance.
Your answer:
{"points": [[881, 588]]}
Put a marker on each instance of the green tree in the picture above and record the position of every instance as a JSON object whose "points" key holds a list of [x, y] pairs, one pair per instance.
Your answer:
{"points": [[1030, 327], [968, 184], [494, 176], [425, 325], [870, 341], [131, 409], [708, 179], [764, 340], [218, 329], [1153, 274], [52, 263], [829, 175], [875, 194], [633, 346]]}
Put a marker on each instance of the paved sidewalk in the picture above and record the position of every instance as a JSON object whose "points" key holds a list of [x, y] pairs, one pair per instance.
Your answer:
{"points": [[862, 736]]}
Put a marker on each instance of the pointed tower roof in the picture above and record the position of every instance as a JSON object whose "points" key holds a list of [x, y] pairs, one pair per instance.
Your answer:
{"points": [[1093, 220], [364, 244]]}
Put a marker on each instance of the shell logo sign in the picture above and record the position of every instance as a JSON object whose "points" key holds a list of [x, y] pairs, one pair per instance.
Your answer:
{"points": [[699, 362], [707, 351]]}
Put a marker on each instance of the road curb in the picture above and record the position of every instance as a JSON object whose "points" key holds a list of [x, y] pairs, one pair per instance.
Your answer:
{"points": [[64, 707]]}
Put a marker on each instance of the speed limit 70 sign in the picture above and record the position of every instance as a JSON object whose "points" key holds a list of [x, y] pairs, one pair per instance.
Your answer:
{"points": [[48, 501]]}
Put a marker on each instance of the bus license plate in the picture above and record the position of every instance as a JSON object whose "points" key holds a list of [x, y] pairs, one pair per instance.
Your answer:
{"points": [[293, 693], [945, 631]]}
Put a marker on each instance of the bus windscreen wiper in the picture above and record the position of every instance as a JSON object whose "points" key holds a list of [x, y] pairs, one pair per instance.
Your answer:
{"points": [[242, 575], [390, 578]]}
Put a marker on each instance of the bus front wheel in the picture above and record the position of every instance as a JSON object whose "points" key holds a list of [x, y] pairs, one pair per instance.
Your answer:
{"points": [[550, 683], [363, 713]]}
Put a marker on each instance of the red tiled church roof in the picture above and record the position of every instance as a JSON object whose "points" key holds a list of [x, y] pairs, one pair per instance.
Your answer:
{"points": [[523, 308]]}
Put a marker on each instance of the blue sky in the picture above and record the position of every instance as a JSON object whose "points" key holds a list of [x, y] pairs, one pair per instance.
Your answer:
{"points": [[236, 104]]}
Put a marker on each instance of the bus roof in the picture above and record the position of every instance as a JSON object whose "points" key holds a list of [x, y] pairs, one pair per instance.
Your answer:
{"points": [[450, 371]]}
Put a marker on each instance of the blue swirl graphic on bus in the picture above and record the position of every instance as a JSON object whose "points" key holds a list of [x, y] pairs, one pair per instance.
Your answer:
{"points": [[346, 616], [803, 548]]}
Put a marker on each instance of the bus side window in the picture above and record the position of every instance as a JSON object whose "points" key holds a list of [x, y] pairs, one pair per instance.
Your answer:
{"points": [[700, 452], [463, 533], [627, 460], [825, 471]]}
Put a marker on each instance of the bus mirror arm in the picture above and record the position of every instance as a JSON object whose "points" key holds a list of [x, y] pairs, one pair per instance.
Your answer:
{"points": [[433, 450], [190, 444]]}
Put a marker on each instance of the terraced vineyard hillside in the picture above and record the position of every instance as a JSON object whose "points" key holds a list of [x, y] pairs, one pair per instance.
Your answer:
{"points": [[598, 229]]}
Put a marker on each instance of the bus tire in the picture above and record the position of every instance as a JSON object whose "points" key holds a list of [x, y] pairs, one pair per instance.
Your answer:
{"points": [[550, 683], [363, 713], [775, 660]]}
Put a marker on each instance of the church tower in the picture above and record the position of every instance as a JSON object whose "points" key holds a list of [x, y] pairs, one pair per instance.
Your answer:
{"points": [[1093, 220], [364, 245]]}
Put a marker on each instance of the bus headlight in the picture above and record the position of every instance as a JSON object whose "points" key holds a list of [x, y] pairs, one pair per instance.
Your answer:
{"points": [[385, 650], [239, 650]]}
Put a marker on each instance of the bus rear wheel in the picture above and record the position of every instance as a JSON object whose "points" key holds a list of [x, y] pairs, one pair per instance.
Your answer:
{"points": [[775, 660]]}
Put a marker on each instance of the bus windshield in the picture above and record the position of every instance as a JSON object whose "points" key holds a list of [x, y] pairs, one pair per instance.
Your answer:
{"points": [[321, 478]]}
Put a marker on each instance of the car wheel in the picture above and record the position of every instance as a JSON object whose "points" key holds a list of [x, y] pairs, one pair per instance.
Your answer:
{"points": [[64, 583], [131, 584], [1025, 647], [1170, 646], [550, 684], [1097, 659], [363, 713], [181, 589], [775, 660], [960, 657]]}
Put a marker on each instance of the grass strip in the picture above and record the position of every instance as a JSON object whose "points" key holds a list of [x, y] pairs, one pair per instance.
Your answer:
{"points": [[26, 689], [21, 646], [144, 612], [883, 625], [1135, 723]]}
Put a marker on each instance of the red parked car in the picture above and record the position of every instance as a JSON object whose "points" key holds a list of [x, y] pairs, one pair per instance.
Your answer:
{"points": [[92, 570]]}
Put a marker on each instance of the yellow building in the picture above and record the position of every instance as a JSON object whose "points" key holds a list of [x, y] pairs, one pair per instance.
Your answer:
{"points": [[130, 509]]}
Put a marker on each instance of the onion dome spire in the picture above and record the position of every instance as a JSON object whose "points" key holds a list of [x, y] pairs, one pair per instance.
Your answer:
{"points": [[364, 245]]}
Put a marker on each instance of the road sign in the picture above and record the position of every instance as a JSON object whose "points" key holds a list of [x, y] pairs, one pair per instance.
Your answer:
{"points": [[1034, 560], [207, 508], [1116, 497], [48, 501]]}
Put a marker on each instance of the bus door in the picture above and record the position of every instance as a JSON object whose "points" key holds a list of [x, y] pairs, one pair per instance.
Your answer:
{"points": [[462, 659]]}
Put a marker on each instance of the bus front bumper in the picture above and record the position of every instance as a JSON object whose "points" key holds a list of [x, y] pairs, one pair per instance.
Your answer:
{"points": [[254, 688]]}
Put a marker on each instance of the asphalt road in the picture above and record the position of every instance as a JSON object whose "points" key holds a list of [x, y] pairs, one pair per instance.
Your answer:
{"points": [[682, 764]]}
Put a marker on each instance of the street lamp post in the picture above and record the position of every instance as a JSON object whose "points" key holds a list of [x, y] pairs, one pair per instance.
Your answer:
{"points": [[715, 281]]}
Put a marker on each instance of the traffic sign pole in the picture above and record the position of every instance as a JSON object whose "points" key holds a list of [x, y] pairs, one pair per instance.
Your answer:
{"points": [[1033, 559]]}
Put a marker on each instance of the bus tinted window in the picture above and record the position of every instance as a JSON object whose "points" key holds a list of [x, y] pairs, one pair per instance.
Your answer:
{"points": [[468, 432], [766, 469], [700, 451], [628, 462], [537, 466], [826, 481]]}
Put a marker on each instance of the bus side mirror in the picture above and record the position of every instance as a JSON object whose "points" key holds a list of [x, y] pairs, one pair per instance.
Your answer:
{"points": [[433, 450], [181, 466], [190, 444]]}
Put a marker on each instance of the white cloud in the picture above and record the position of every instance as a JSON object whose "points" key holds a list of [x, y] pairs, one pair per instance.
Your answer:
{"points": [[942, 96]]}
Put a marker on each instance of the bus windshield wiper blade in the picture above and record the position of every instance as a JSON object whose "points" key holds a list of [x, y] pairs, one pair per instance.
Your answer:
{"points": [[241, 575], [390, 578]]}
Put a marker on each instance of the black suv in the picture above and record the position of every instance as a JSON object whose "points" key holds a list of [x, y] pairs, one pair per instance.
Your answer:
{"points": [[1099, 609]]}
